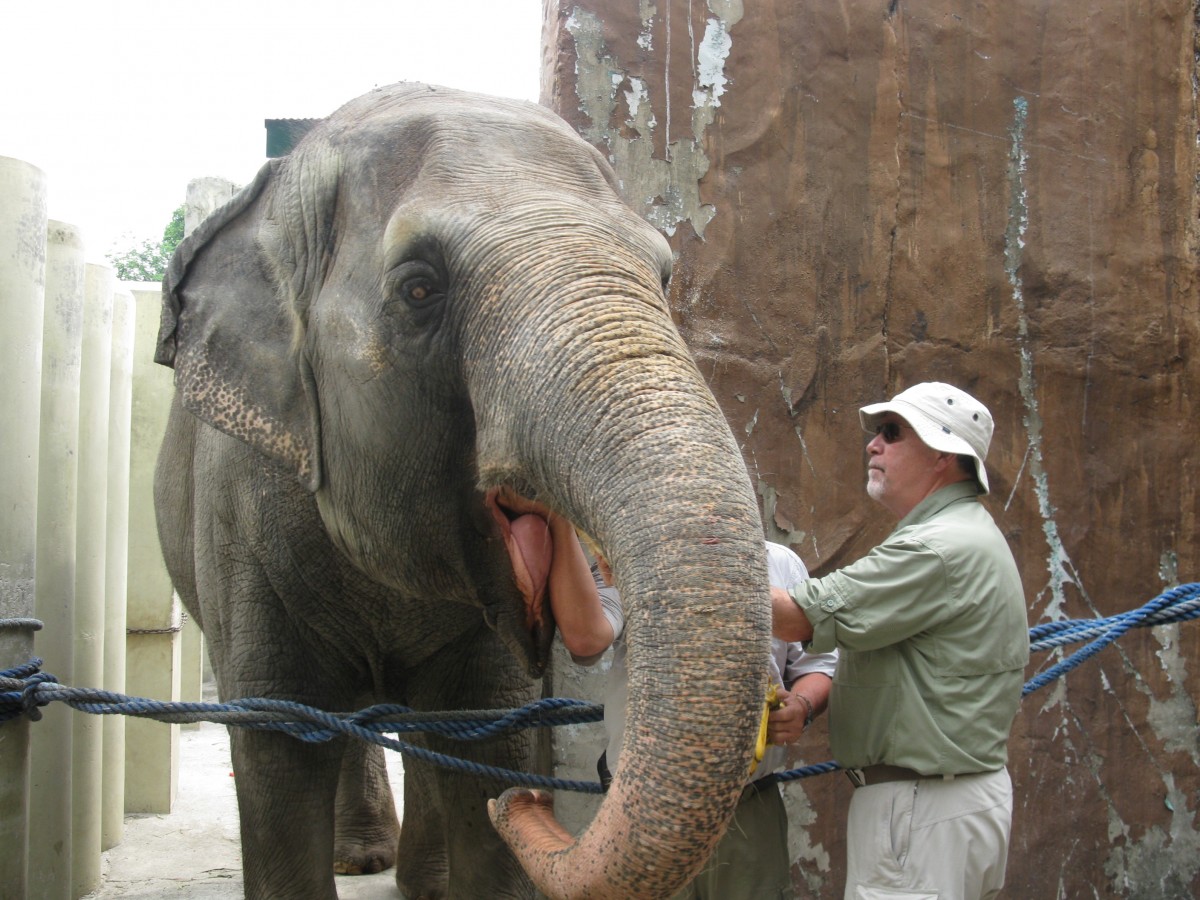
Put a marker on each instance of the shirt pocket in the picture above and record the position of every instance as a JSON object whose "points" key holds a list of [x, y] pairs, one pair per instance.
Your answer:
{"points": [[869, 728]]}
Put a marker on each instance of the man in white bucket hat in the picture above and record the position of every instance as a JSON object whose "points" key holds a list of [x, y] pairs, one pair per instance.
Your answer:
{"points": [[934, 639]]}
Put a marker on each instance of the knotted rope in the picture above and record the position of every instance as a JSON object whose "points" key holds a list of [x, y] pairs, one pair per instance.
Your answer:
{"points": [[24, 689]]}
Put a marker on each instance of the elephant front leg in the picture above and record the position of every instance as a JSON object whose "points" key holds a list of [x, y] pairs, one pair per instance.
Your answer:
{"points": [[367, 828], [422, 868], [448, 847], [286, 791]]}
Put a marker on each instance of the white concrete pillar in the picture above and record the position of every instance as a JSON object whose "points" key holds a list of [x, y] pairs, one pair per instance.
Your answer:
{"points": [[88, 734], [204, 197], [152, 666], [116, 558], [191, 664], [50, 743], [22, 286]]}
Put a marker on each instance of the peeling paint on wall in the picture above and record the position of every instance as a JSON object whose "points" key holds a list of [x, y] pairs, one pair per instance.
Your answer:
{"points": [[750, 425], [778, 530], [711, 56], [803, 816], [666, 191], [1062, 571], [1150, 865], [1173, 718], [1153, 863], [1161, 863], [646, 12]]}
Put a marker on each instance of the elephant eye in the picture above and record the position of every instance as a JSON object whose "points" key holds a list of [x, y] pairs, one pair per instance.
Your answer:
{"points": [[415, 283]]}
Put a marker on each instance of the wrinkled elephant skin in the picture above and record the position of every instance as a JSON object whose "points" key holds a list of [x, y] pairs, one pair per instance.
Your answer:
{"points": [[436, 297]]}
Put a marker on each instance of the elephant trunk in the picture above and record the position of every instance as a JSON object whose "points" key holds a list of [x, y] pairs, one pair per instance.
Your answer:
{"points": [[639, 455], [697, 626]]}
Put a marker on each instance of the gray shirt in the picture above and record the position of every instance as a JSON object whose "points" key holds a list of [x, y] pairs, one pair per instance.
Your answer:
{"points": [[788, 661]]}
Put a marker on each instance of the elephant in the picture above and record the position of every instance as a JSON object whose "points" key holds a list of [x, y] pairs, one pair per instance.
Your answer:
{"points": [[435, 299]]}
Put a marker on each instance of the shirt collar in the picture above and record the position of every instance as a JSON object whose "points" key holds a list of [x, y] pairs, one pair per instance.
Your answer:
{"points": [[939, 500]]}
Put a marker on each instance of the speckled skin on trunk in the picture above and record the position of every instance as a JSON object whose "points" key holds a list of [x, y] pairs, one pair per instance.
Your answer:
{"points": [[434, 296]]}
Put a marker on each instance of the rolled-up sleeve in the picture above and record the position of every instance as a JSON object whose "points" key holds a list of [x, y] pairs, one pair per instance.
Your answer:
{"points": [[801, 662], [614, 613], [874, 602]]}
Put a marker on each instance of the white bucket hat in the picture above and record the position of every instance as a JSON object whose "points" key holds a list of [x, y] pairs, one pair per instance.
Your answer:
{"points": [[944, 417]]}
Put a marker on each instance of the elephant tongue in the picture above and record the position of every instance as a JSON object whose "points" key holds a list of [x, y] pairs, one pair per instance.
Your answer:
{"points": [[531, 549]]}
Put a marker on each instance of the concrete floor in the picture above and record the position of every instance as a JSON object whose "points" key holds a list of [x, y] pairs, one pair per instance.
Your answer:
{"points": [[193, 853]]}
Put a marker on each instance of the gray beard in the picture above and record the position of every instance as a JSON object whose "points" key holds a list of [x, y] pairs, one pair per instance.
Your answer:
{"points": [[875, 489]]}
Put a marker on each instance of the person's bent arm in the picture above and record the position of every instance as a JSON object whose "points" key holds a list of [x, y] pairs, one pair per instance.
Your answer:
{"points": [[787, 619], [574, 597], [806, 700]]}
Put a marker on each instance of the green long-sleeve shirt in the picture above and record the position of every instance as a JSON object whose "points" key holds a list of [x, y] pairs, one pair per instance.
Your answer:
{"points": [[934, 640]]}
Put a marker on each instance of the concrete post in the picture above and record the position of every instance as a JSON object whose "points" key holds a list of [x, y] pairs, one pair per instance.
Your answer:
{"points": [[88, 733], [22, 286], [50, 774], [204, 197], [152, 667], [120, 397]]}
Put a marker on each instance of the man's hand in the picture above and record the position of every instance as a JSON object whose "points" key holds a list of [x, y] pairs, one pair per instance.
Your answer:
{"points": [[787, 619], [786, 724]]}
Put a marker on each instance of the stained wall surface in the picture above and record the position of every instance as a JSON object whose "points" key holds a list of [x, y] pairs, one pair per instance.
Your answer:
{"points": [[864, 195]]}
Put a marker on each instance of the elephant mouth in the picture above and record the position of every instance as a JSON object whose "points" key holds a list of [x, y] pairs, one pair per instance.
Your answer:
{"points": [[530, 550]]}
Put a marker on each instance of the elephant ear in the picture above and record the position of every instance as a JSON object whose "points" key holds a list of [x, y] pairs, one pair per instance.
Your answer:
{"points": [[232, 327]]}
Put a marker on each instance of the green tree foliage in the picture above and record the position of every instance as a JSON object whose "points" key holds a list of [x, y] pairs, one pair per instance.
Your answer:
{"points": [[147, 260]]}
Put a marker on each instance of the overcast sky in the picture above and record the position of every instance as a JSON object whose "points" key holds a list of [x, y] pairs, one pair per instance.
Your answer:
{"points": [[122, 102]]}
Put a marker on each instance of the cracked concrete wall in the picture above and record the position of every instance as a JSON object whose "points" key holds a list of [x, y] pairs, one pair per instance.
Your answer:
{"points": [[863, 195]]}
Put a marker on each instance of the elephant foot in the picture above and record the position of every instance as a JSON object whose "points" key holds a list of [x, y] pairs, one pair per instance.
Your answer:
{"points": [[363, 857], [367, 828], [422, 882], [365, 847]]}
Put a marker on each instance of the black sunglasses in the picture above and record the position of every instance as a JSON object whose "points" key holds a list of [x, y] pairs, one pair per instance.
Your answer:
{"points": [[889, 431]]}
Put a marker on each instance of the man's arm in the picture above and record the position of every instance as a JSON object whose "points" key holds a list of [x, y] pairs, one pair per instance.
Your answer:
{"points": [[574, 598], [787, 619], [806, 700]]}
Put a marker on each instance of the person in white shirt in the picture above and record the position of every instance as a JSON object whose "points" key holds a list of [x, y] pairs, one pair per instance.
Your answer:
{"points": [[751, 862]]}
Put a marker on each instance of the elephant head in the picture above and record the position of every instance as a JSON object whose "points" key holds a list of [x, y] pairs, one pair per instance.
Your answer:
{"points": [[440, 295]]}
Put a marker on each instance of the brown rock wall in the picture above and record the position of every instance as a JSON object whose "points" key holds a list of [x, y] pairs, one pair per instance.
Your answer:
{"points": [[862, 195]]}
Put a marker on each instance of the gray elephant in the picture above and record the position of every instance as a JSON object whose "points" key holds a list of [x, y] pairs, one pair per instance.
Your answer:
{"points": [[436, 298]]}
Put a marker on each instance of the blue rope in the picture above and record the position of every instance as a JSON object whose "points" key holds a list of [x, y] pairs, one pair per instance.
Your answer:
{"points": [[313, 725], [802, 772], [1179, 604], [24, 689]]}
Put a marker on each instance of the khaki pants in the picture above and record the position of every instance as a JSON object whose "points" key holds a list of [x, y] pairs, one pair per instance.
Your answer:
{"points": [[751, 862], [929, 839]]}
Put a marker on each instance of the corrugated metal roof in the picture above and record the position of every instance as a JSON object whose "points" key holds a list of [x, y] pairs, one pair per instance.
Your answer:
{"points": [[284, 134]]}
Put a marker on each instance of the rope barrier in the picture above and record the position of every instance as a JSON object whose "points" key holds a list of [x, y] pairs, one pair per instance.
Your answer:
{"points": [[17, 624], [24, 689], [1179, 604]]}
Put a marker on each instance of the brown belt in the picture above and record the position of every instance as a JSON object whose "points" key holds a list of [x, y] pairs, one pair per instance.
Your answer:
{"points": [[882, 772]]}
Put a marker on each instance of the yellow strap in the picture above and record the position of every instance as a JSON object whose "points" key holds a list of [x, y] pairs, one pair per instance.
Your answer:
{"points": [[760, 746]]}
